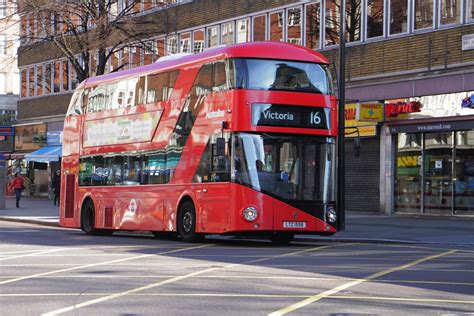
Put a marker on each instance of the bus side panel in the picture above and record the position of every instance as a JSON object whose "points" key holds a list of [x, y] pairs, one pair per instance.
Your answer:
{"points": [[244, 197]]}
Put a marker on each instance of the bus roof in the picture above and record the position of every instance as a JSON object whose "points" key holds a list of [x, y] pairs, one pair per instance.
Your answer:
{"points": [[270, 50]]}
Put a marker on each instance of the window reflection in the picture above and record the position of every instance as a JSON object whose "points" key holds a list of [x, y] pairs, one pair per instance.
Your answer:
{"points": [[243, 31], [259, 28], [450, 11], [423, 14], [198, 41], [398, 16], [294, 26], [375, 10], [313, 17], [353, 18], [228, 33], [276, 26], [212, 36]]}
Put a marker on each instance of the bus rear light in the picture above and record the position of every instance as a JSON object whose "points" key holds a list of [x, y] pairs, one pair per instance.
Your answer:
{"points": [[331, 215], [250, 214]]}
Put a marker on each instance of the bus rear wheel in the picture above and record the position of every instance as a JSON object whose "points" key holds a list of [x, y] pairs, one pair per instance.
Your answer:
{"points": [[187, 223], [281, 238], [88, 221]]}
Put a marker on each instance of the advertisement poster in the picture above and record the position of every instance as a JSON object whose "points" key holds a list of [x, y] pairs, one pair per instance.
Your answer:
{"points": [[134, 128], [30, 137]]}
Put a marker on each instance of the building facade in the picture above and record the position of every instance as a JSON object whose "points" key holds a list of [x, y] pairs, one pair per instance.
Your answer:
{"points": [[9, 74], [415, 160]]}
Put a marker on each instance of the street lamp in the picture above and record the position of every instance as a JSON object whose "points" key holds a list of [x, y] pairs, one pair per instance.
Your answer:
{"points": [[341, 224]]}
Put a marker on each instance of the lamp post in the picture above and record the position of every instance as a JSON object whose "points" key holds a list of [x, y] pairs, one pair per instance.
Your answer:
{"points": [[341, 219]]}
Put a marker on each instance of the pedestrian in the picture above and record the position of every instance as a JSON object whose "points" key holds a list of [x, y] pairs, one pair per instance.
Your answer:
{"points": [[56, 186], [17, 185]]}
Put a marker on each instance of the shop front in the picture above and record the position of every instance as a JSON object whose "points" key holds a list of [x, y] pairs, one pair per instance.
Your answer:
{"points": [[433, 158]]}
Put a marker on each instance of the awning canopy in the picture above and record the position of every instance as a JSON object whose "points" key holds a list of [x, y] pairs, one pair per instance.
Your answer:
{"points": [[45, 154]]}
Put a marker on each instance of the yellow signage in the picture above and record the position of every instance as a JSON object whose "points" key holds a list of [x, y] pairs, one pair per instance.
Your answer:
{"points": [[370, 112], [365, 128]]}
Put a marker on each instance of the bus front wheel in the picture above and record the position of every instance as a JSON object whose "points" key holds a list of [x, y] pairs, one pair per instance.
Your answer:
{"points": [[88, 221], [281, 238], [187, 223]]}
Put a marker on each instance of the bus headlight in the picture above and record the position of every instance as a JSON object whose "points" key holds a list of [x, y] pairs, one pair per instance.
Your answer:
{"points": [[250, 214], [331, 215]]}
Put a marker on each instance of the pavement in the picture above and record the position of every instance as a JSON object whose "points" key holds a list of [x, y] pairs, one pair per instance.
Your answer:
{"points": [[360, 227]]}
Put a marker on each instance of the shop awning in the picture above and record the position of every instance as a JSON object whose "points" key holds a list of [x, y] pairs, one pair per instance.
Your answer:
{"points": [[45, 154]]}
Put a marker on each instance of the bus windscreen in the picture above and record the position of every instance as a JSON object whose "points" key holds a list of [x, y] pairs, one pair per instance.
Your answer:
{"points": [[282, 75]]}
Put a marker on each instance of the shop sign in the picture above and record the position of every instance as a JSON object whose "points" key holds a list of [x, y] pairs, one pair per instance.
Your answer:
{"points": [[468, 102], [7, 131], [365, 128], [54, 138], [467, 42], [432, 127], [394, 109], [30, 137], [369, 112]]}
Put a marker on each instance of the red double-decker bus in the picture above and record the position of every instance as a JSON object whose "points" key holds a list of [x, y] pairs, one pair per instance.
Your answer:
{"points": [[234, 140]]}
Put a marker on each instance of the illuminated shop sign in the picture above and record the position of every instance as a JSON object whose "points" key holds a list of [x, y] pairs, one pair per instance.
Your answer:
{"points": [[264, 114], [394, 109]]}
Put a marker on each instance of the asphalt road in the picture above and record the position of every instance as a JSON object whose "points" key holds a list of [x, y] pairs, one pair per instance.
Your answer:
{"points": [[52, 271]]}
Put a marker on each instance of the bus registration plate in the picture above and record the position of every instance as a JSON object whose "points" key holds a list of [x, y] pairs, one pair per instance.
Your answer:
{"points": [[294, 224]]}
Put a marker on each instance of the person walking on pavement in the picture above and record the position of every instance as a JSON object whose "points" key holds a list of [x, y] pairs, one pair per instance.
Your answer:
{"points": [[17, 185], [56, 185]]}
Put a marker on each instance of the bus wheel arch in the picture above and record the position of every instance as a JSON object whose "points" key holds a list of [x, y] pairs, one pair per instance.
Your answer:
{"points": [[186, 221], [88, 216]]}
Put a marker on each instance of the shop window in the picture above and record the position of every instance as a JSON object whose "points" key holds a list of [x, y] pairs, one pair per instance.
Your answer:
{"points": [[398, 16], [198, 41], [313, 18], [423, 14], [276, 26], [260, 28], [294, 26], [227, 32], [375, 13], [243, 31], [450, 11], [464, 173]]}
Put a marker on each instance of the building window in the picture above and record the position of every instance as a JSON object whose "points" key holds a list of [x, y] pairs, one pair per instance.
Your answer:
{"points": [[31, 81], [276, 26], [423, 14], [228, 33], [450, 11], [3, 83], [332, 22], [172, 45], [243, 31], [160, 48], [39, 80], [353, 17], [185, 42], [48, 74], [57, 77], [149, 49], [375, 11], [3, 8], [16, 83], [65, 76], [212, 36], [313, 18], [398, 16], [3, 44], [293, 30], [259, 28], [198, 41], [24, 83]]}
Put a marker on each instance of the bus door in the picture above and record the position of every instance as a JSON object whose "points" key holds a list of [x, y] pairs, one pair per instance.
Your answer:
{"points": [[212, 187]]}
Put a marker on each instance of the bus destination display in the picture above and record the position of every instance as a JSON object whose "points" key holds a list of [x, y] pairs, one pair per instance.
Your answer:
{"points": [[265, 114]]}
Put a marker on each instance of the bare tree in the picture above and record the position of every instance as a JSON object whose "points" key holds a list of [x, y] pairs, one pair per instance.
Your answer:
{"points": [[89, 32], [352, 20]]}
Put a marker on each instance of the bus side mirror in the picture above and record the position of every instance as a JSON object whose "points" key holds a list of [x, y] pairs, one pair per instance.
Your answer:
{"points": [[220, 146]]}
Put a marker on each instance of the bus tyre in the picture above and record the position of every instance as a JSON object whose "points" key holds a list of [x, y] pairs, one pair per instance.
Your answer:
{"points": [[187, 223], [88, 221], [281, 238]]}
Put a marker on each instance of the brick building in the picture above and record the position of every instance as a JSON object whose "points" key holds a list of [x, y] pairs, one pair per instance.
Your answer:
{"points": [[398, 51]]}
